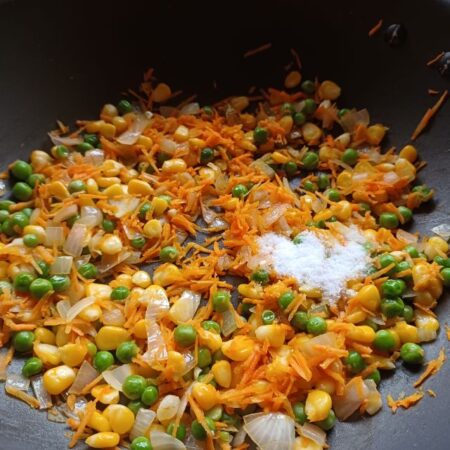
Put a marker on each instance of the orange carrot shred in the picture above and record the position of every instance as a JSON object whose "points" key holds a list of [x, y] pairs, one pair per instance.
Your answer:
{"points": [[375, 28]]}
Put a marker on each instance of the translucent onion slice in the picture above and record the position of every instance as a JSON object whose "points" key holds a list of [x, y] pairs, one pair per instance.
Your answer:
{"points": [[354, 394], [442, 231], [54, 236], [124, 205], [130, 136], [94, 157], [43, 397], [75, 240], [185, 307], [374, 401], [18, 381], [270, 431], [62, 265], [78, 307], [164, 441], [229, 322], [168, 408], [116, 377], [314, 433], [65, 213], [85, 375], [190, 109], [90, 216], [59, 140], [63, 307], [142, 423], [113, 317]]}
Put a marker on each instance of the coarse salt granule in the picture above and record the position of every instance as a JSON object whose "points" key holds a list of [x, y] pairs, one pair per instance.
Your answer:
{"points": [[319, 261]]}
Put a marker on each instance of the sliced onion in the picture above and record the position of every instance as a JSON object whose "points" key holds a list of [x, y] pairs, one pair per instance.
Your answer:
{"points": [[390, 177], [114, 317], [91, 216], [78, 307], [274, 213], [314, 433], [183, 402], [190, 109], [43, 397], [59, 140], [156, 346], [130, 136], [35, 216], [354, 394], [54, 236], [270, 430], [168, 407], [116, 377], [17, 381], [110, 261], [350, 120], [239, 437], [167, 146], [404, 236], [95, 157], [75, 240], [85, 375], [62, 265], [229, 322], [326, 339], [65, 213], [133, 258], [442, 231], [63, 307], [142, 423], [185, 307], [189, 363], [374, 402], [208, 214], [426, 335], [263, 167], [164, 441], [124, 205]]}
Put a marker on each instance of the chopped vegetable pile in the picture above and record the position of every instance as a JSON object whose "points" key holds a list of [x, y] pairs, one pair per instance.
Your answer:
{"points": [[118, 247]]}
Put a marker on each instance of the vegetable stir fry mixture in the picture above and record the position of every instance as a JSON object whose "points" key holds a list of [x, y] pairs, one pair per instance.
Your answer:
{"points": [[118, 247]]}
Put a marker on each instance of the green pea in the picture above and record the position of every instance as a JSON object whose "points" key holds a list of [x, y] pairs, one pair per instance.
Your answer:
{"points": [[204, 357], [88, 271], [8, 227], [21, 170], [60, 151], [316, 325], [91, 348], [30, 240], [355, 362], [333, 194], [77, 186], [375, 376], [260, 136], [91, 139], [84, 147], [165, 197], [342, 112], [309, 107], [108, 225], [215, 413], [423, 190], [299, 413], [412, 353], [211, 325], [300, 320], [20, 219], [412, 251], [287, 109], [181, 431], [206, 155], [261, 276], [208, 110], [384, 341], [141, 443], [323, 181], [134, 386], [406, 213], [6, 204], [408, 313], [392, 307], [201, 378], [198, 431], [309, 186], [308, 87], [299, 118], [298, 239], [350, 156], [221, 301], [445, 274], [386, 260], [364, 207], [268, 317], [35, 179], [22, 192], [103, 360], [120, 293], [4, 284], [144, 210], [444, 262], [23, 341], [393, 288], [388, 220], [124, 107], [310, 160], [328, 423], [168, 254], [22, 281], [32, 366], [150, 395], [60, 283], [239, 191], [135, 406], [402, 266], [138, 242], [126, 351], [3, 215], [290, 168], [185, 335], [72, 219], [286, 298]]}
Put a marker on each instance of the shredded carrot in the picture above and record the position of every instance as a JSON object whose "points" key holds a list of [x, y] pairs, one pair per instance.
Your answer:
{"points": [[374, 30], [428, 115], [435, 59], [90, 408], [433, 367], [21, 395], [431, 393], [404, 402], [257, 50], [5, 359]]}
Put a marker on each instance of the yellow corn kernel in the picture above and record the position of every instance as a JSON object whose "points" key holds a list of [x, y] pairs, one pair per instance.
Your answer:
{"points": [[427, 326], [161, 93], [48, 353], [424, 298], [111, 244], [91, 186], [104, 439], [239, 348], [120, 123], [181, 134], [249, 291], [406, 332], [73, 354], [279, 158], [109, 110], [317, 405], [145, 141], [356, 316], [175, 363], [105, 182], [113, 190], [62, 338], [166, 274], [405, 169], [40, 159], [231, 204], [326, 153], [292, 79], [207, 174], [344, 180], [239, 103], [375, 134], [91, 313], [98, 422], [362, 333], [110, 337], [196, 143], [45, 336], [37, 231], [311, 132], [222, 373], [409, 153], [304, 443], [329, 90], [275, 334], [140, 329], [99, 291], [323, 215], [139, 187], [286, 122], [342, 210], [105, 394], [175, 165], [58, 190], [141, 278], [153, 229], [122, 280], [58, 379], [369, 297], [94, 126], [159, 205], [211, 340], [110, 168], [206, 395], [435, 246], [425, 279], [107, 130], [120, 418]]}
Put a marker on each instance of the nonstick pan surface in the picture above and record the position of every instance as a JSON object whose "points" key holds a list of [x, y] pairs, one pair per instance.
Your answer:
{"points": [[64, 59]]}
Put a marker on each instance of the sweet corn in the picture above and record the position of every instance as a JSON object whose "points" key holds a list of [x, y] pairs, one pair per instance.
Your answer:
{"points": [[211, 340], [427, 326], [153, 229], [406, 332], [48, 353], [326, 153], [94, 126], [91, 186], [104, 439], [311, 132], [139, 187], [175, 363], [303, 443], [250, 291], [222, 373], [120, 123], [369, 297], [356, 316], [140, 329], [159, 205], [110, 337], [109, 110], [175, 165], [58, 379], [426, 279], [317, 405], [58, 190], [120, 418], [91, 313], [45, 336], [286, 122], [292, 79], [40, 159], [166, 274], [344, 180], [141, 278], [107, 130], [73, 354], [99, 291], [279, 158], [98, 422], [404, 169], [145, 141], [328, 90], [105, 394], [196, 143], [181, 134], [424, 298], [105, 182], [37, 231], [239, 348], [435, 246], [161, 93], [375, 134], [122, 280], [362, 333], [113, 190], [275, 334], [206, 395], [409, 153], [62, 338], [342, 210], [111, 244]]}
